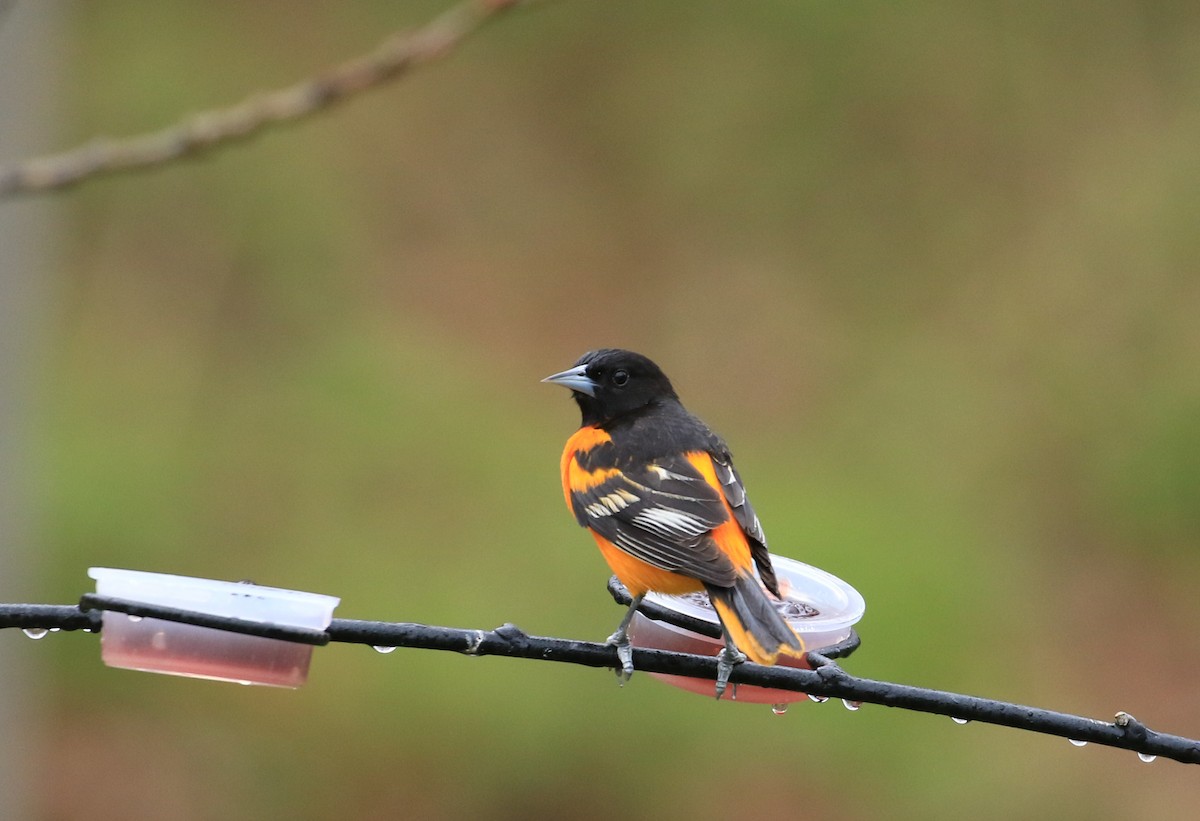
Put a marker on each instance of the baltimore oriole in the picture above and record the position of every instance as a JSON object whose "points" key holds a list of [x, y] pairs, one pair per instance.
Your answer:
{"points": [[658, 491]]}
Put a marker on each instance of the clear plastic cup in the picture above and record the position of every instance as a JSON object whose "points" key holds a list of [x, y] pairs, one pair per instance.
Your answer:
{"points": [[160, 646], [818, 605]]}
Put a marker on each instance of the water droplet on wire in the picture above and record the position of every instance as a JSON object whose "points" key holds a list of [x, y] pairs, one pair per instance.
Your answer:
{"points": [[779, 709], [35, 632], [383, 648], [1077, 742], [958, 720], [135, 618], [851, 705], [1147, 757], [817, 699]]}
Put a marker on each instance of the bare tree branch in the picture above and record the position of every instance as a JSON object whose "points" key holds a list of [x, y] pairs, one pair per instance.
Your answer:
{"points": [[217, 127]]}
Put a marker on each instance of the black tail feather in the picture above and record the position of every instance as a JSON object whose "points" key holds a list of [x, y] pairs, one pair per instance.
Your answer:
{"points": [[749, 617]]}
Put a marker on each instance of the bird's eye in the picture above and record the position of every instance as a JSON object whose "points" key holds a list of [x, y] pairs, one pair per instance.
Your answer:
{"points": [[619, 378]]}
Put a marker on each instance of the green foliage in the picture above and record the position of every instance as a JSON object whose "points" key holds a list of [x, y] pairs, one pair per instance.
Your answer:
{"points": [[930, 269]]}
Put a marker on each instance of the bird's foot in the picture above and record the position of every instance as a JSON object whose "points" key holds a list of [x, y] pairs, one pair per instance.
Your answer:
{"points": [[727, 659], [620, 640]]}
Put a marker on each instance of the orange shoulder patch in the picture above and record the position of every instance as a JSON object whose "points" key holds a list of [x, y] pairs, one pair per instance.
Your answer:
{"points": [[729, 535], [574, 477]]}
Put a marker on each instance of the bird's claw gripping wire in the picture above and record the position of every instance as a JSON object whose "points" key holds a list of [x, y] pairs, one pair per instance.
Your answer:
{"points": [[729, 658], [624, 647], [620, 640]]}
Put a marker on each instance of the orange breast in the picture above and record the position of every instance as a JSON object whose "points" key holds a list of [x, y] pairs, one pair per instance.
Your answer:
{"points": [[639, 577]]}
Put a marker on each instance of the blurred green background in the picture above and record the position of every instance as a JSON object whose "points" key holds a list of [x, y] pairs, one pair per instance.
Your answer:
{"points": [[931, 268]]}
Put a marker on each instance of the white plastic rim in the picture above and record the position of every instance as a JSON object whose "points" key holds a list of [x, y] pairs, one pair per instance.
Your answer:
{"points": [[839, 606], [240, 600]]}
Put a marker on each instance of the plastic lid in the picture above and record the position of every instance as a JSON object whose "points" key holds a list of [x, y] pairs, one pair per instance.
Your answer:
{"points": [[818, 605], [161, 646], [825, 606], [241, 600]]}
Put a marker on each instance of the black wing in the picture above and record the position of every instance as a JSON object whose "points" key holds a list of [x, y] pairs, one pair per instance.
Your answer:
{"points": [[661, 513]]}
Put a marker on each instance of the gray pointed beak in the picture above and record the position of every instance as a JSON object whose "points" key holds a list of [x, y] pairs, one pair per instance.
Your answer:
{"points": [[574, 378]]}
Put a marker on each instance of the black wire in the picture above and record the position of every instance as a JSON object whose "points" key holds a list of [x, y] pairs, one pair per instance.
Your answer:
{"points": [[826, 679], [93, 603], [48, 617]]}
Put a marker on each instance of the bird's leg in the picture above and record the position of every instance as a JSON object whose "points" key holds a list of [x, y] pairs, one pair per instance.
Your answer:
{"points": [[727, 659], [620, 640]]}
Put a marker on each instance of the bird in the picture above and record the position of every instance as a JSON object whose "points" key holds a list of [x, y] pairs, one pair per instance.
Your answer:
{"points": [[658, 490]]}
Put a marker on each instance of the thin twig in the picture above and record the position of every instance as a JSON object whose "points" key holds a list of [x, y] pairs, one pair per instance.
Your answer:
{"points": [[827, 679], [219, 127]]}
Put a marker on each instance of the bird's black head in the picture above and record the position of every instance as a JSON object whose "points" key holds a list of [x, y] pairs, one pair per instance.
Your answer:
{"points": [[610, 382]]}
